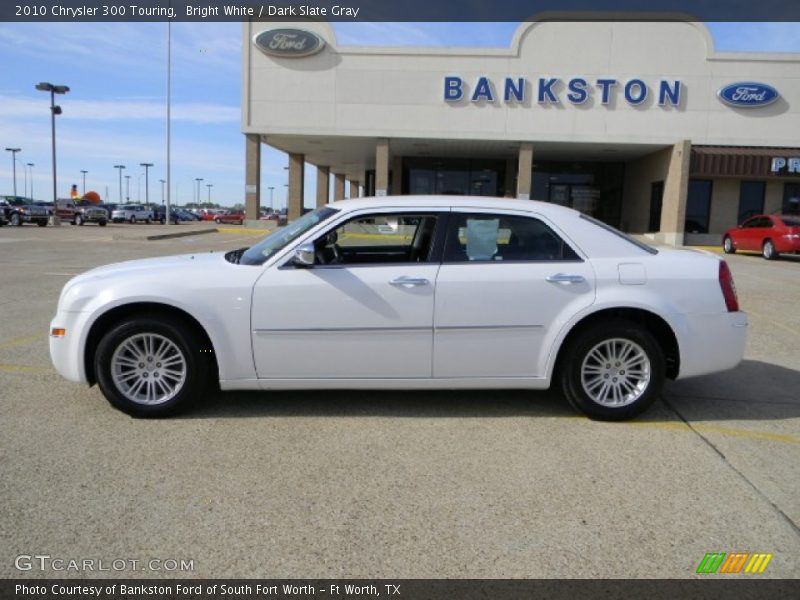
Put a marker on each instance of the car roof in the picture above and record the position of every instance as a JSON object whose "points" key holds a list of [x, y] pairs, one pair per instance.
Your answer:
{"points": [[439, 201]]}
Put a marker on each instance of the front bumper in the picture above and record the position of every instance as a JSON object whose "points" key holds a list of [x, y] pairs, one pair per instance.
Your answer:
{"points": [[66, 352]]}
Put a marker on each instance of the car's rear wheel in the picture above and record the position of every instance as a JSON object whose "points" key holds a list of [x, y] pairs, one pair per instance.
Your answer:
{"points": [[727, 245], [147, 367], [768, 250], [612, 371]]}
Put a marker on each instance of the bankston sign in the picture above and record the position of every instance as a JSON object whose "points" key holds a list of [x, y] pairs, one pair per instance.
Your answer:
{"points": [[289, 43]]}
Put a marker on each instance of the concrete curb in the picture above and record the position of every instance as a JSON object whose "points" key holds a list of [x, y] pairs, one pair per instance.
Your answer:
{"points": [[178, 234]]}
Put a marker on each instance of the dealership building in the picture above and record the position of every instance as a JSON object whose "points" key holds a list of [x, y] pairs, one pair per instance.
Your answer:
{"points": [[640, 124]]}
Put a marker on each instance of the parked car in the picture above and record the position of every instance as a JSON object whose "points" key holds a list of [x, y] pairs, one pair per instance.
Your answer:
{"points": [[132, 213], [771, 235], [160, 215], [90, 213], [231, 217], [188, 215], [281, 218], [17, 210], [208, 214], [433, 292]]}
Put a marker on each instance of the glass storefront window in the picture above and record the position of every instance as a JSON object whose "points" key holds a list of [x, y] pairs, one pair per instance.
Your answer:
{"points": [[751, 199], [698, 206], [791, 199], [454, 177]]}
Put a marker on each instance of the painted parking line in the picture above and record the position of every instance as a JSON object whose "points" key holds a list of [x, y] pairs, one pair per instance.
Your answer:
{"points": [[21, 341], [12, 368], [727, 431]]}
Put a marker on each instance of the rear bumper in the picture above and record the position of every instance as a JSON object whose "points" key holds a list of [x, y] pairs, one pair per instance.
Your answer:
{"points": [[712, 343]]}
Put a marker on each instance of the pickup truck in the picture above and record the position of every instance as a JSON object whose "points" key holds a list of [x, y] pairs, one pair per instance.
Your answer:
{"points": [[16, 210], [132, 213]]}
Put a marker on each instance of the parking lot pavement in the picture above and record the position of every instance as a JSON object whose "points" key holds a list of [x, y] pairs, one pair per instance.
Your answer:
{"points": [[392, 484]]}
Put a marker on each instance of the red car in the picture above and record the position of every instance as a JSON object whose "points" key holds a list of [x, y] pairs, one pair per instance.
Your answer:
{"points": [[233, 217], [769, 234]]}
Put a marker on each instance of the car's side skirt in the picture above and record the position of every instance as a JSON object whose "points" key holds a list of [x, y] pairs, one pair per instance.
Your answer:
{"points": [[442, 383]]}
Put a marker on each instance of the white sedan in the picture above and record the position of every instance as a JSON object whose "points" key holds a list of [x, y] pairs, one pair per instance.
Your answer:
{"points": [[407, 292]]}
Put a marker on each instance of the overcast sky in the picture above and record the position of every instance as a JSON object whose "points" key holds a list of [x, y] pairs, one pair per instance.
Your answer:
{"points": [[115, 111]]}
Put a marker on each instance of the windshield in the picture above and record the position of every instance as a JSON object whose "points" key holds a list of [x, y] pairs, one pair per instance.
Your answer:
{"points": [[256, 255]]}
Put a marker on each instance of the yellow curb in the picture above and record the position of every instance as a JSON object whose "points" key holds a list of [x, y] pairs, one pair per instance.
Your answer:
{"points": [[245, 230], [729, 431]]}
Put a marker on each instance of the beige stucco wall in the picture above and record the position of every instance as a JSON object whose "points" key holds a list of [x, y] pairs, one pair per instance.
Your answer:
{"points": [[640, 174], [398, 92]]}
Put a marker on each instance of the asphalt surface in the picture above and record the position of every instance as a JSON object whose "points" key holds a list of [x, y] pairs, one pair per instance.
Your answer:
{"points": [[389, 484]]}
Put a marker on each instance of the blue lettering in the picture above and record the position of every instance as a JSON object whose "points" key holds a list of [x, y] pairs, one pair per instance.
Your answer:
{"points": [[669, 94], [518, 91], [452, 89], [546, 90], [605, 86], [483, 90], [577, 89], [641, 96]]}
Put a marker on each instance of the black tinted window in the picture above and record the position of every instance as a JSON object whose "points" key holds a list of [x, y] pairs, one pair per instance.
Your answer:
{"points": [[495, 237]]}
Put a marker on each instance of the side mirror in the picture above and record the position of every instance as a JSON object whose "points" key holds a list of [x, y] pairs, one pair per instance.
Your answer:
{"points": [[304, 255]]}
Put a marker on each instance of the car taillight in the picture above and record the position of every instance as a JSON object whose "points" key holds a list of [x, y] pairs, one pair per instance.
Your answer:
{"points": [[727, 286]]}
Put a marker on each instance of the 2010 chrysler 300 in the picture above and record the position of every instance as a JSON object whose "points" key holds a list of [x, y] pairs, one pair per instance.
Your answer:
{"points": [[406, 293]]}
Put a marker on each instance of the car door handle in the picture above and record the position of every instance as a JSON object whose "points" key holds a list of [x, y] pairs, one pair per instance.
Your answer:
{"points": [[409, 282], [566, 278]]}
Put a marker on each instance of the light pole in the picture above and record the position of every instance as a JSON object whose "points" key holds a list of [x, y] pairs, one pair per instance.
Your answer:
{"points": [[30, 166], [54, 110], [120, 167], [14, 165], [163, 181], [198, 180], [271, 191], [209, 186], [146, 182], [84, 172], [127, 188]]}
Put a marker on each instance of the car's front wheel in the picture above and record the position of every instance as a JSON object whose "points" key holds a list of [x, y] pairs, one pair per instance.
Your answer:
{"points": [[132, 220], [16, 220], [768, 250], [612, 371], [727, 245], [78, 220], [147, 367]]}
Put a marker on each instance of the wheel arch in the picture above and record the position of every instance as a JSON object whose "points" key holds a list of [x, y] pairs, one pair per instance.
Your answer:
{"points": [[652, 322], [104, 322]]}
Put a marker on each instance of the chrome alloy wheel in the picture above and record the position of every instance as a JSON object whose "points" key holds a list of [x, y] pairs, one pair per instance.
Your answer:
{"points": [[616, 372], [148, 368]]}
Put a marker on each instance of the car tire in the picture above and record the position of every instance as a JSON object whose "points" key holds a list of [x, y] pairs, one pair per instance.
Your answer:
{"points": [[132, 220], [147, 221], [768, 250], [16, 220], [217, 221], [727, 245], [592, 372], [41, 223], [102, 223], [78, 220], [162, 220], [153, 388]]}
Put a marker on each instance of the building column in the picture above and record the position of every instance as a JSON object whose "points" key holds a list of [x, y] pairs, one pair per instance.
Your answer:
{"points": [[323, 185], [296, 180], [354, 189], [524, 166], [397, 176], [511, 176], [338, 186], [382, 167], [252, 177], [676, 188]]}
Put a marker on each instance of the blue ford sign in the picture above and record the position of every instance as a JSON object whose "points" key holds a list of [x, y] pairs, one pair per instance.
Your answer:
{"points": [[748, 94], [289, 43]]}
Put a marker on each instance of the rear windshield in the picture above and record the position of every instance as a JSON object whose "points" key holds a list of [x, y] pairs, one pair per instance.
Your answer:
{"points": [[618, 233], [791, 221]]}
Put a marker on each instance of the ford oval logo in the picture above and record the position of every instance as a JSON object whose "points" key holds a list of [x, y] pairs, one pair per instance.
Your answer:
{"points": [[748, 94], [289, 43]]}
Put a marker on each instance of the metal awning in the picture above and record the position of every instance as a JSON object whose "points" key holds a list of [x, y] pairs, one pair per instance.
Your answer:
{"points": [[735, 161]]}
